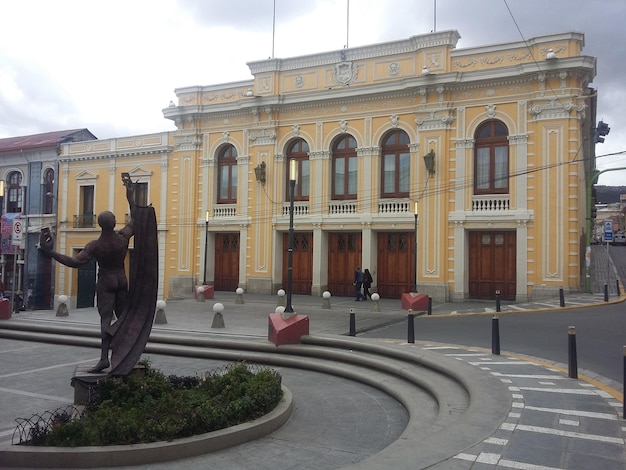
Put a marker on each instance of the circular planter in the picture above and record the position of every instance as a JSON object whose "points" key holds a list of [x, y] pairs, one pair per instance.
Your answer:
{"points": [[139, 454]]}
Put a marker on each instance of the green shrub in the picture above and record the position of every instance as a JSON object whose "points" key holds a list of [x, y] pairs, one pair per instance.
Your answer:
{"points": [[154, 407]]}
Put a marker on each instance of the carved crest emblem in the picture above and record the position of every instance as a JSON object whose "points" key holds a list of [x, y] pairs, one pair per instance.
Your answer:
{"points": [[344, 73]]}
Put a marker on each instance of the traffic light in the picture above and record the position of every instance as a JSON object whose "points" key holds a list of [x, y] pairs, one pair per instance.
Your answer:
{"points": [[602, 130]]}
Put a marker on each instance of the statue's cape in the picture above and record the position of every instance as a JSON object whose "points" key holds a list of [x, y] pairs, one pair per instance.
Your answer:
{"points": [[135, 323]]}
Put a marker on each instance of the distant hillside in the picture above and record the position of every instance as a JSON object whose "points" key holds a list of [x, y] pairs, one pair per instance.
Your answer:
{"points": [[608, 194]]}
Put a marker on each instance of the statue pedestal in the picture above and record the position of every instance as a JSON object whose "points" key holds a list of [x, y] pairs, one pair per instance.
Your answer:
{"points": [[84, 381], [288, 330]]}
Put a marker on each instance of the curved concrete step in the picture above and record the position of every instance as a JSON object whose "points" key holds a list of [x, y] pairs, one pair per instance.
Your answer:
{"points": [[450, 406]]}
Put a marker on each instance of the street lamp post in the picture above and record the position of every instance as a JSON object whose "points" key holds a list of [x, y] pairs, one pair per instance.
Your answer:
{"points": [[415, 252], [206, 243], [292, 186]]}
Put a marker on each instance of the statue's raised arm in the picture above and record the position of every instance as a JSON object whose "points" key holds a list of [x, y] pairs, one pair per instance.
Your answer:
{"points": [[130, 190]]}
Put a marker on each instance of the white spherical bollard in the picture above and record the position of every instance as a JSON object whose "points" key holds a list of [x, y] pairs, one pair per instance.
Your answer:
{"points": [[160, 318], [62, 310], [218, 319], [281, 297], [280, 309], [375, 298], [326, 299], [200, 294], [239, 296]]}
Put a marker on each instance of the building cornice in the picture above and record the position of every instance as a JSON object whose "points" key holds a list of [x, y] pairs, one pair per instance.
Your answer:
{"points": [[413, 44]]}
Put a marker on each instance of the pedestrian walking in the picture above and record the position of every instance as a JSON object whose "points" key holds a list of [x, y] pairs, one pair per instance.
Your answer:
{"points": [[358, 284], [367, 283]]}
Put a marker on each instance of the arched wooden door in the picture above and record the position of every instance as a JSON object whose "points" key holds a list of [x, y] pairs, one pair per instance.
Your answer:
{"points": [[492, 264], [344, 255], [226, 261], [302, 272], [396, 266]]}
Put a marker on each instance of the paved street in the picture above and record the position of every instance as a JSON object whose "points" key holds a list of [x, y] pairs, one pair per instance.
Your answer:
{"points": [[554, 422]]}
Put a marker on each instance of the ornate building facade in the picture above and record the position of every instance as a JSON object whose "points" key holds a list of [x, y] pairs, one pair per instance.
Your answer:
{"points": [[457, 171]]}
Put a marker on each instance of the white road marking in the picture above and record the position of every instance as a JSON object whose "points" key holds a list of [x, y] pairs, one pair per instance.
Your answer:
{"points": [[582, 414], [56, 366], [577, 435]]}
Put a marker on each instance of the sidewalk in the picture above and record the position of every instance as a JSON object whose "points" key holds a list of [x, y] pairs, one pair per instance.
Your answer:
{"points": [[554, 422]]}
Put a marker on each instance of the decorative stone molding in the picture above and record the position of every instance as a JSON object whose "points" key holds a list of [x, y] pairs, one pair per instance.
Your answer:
{"points": [[367, 151], [465, 143], [188, 142], [394, 120], [296, 130], [344, 73], [518, 139], [555, 109], [243, 159], [226, 136], [263, 137], [491, 110], [434, 120], [319, 155], [343, 126]]}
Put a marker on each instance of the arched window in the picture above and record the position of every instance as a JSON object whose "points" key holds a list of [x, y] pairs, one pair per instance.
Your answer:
{"points": [[14, 192], [298, 150], [227, 176], [491, 160], [396, 165], [344, 168], [48, 187]]}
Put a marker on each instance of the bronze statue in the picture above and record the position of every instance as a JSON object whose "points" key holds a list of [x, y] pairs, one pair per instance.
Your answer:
{"points": [[126, 314]]}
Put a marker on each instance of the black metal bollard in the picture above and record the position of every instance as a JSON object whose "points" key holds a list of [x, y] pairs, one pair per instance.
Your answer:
{"points": [[495, 335], [561, 297], [430, 306], [498, 301], [571, 352], [606, 292], [618, 290], [352, 323], [411, 328]]}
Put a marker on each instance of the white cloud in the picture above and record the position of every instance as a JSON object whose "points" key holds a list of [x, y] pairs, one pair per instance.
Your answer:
{"points": [[112, 66]]}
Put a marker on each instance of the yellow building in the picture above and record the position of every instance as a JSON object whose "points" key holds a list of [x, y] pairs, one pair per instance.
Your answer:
{"points": [[480, 152]]}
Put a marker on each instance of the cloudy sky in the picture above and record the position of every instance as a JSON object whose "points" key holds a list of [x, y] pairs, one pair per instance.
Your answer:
{"points": [[112, 66]]}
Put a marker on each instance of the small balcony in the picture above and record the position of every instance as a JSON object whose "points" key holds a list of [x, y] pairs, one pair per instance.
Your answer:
{"points": [[491, 203], [342, 207], [224, 210], [393, 206], [84, 221], [299, 208]]}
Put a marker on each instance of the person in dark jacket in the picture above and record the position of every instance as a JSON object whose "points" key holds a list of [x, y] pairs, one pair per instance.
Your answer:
{"points": [[358, 284], [367, 283]]}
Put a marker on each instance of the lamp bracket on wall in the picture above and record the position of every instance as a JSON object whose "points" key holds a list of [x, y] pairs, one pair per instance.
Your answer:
{"points": [[259, 173]]}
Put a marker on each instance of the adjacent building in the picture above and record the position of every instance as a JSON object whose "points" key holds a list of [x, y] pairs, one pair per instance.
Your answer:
{"points": [[28, 171], [459, 172]]}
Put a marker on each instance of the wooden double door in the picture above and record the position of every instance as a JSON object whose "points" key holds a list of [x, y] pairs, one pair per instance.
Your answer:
{"points": [[492, 264], [226, 261], [302, 265], [344, 256], [396, 264]]}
